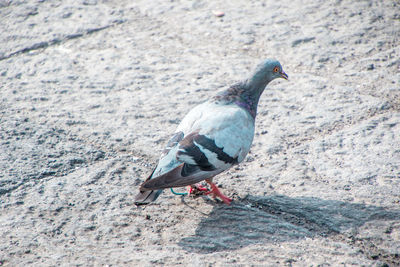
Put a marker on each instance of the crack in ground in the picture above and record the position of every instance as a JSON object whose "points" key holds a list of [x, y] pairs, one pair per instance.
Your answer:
{"points": [[56, 41]]}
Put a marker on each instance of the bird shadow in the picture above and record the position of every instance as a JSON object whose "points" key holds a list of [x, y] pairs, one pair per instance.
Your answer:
{"points": [[278, 218]]}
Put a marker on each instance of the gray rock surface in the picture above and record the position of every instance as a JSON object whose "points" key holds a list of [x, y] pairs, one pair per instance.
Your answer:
{"points": [[92, 90]]}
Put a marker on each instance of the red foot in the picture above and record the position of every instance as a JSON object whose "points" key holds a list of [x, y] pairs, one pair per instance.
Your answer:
{"points": [[197, 189], [216, 193]]}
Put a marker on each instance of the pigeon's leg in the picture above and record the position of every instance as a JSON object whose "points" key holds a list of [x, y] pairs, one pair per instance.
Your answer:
{"points": [[216, 193], [197, 189]]}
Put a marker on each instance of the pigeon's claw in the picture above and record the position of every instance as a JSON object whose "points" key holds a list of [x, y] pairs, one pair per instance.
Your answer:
{"points": [[216, 193], [197, 190]]}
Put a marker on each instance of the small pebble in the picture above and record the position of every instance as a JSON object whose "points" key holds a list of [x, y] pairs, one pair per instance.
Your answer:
{"points": [[218, 13]]}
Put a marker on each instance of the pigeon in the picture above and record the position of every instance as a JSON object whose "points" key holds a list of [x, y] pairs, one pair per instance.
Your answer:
{"points": [[211, 138]]}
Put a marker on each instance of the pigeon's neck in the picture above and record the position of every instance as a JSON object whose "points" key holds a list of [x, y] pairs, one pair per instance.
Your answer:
{"points": [[245, 94]]}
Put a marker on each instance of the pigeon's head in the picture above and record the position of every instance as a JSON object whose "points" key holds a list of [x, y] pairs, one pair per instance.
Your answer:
{"points": [[269, 70], [264, 73]]}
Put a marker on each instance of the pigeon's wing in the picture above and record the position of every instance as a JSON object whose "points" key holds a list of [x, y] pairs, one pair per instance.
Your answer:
{"points": [[208, 151], [221, 132], [200, 159], [200, 150]]}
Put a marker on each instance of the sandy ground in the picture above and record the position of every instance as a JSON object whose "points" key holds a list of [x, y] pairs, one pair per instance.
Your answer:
{"points": [[92, 90]]}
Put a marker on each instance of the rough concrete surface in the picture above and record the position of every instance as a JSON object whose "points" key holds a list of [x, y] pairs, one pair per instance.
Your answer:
{"points": [[92, 90]]}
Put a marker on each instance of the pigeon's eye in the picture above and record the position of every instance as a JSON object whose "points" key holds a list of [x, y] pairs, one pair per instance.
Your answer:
{"points": [[276, 69]]}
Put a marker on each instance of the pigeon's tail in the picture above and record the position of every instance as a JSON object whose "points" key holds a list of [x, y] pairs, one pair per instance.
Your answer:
{"points": [[182, 175], [145, 197]]}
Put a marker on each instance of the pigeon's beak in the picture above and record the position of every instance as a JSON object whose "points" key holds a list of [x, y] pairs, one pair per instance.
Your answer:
{"points": [[284, 75]]}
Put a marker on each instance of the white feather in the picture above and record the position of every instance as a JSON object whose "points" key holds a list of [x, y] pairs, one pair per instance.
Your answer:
{"points": [[186, 158]]}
